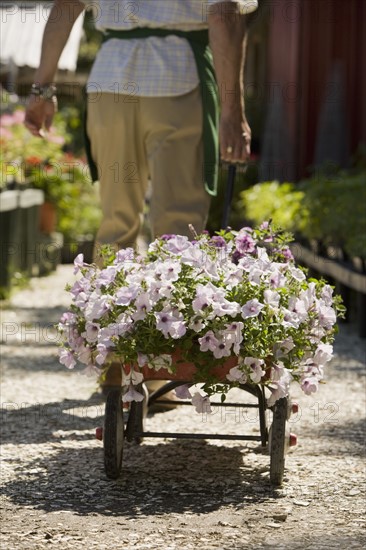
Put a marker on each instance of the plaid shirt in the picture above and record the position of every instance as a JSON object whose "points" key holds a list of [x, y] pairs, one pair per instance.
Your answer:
{"points": [[153, 66]]}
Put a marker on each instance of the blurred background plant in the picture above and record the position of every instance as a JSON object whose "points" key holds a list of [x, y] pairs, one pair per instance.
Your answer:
{"points": [[50, 165], [327, 209], [21, 152]]}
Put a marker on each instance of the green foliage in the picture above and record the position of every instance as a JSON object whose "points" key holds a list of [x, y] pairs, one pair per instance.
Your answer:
{"points": [[79, 214], [329, 207], [87, 53], [73, 120], [43, 164], [280, 202], [337, 211], [90, 44], [21, 152]]}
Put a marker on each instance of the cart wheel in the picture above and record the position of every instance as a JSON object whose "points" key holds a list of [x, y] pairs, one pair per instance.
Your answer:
{"points": [[137, 415], [277, 442], [113, 434]]}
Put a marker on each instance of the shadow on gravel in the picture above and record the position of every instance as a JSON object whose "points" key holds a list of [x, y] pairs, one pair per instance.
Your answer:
{"points": [[37, 327], [349, 346], [25, 423], [41, 315], [353, 431], [173, 477], [33, 360], [346, 364]]}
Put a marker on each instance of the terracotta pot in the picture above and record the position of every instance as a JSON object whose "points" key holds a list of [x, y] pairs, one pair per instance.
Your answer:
{"points": [[186, 371], [48, 218]]}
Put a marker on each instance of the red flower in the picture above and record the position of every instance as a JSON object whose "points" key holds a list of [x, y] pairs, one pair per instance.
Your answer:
{"points": [[33, 161]]}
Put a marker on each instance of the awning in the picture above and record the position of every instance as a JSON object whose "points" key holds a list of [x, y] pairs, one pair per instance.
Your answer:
{"points": [[21, 31]]}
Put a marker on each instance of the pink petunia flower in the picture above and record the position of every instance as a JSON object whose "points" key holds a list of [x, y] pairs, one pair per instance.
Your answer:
{"points": [[91, 332], [255, 368], [237, 375], [310, 385], [201, 403], [78, 263], [132, 395], [102, 354], [251, 309], [208, 342], [182, 392], [67, 358]]}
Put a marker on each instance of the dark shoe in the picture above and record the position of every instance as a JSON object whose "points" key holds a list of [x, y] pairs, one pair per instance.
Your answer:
{"points": [[158, 405]]}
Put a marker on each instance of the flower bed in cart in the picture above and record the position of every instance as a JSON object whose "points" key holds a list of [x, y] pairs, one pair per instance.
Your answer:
{"points": [[223, 311]]}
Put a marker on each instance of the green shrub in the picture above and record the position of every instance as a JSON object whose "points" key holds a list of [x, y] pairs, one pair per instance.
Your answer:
{"points": [[336, 206], [280, 202], [327, 207], [78, 210], [44, 164]]}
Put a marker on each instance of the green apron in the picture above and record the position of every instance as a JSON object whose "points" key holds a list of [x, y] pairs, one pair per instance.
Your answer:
{"points": [[198, 41]]}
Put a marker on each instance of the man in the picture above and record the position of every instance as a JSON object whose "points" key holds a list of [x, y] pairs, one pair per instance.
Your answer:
{"points": [[153, 106]]}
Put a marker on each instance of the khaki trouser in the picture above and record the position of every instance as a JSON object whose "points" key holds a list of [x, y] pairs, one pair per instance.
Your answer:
{"points": [[137, 138], [134, 139]]}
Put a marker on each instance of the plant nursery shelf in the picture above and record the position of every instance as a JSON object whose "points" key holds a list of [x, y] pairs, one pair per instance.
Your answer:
{"points": [[345, 276], [331, 268]]}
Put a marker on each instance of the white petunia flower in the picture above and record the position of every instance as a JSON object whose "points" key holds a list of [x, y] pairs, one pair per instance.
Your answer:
{"points": [[143, 305], [255, 368], [251, 309], [182, 392], [271, 298], [78, 263], [67, 358], [201, 403], [97, 306], [326, 315], [91, 332], [237, 375], [310, 385], [196, 324], [208, 342], [132, 395]]}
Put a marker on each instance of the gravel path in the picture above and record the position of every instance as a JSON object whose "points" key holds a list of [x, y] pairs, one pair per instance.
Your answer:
{"points": [[174, 494]]}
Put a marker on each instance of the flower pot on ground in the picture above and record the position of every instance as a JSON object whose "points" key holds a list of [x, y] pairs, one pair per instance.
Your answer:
{"points": [[71, 206], [48, 218], [234, 297]]}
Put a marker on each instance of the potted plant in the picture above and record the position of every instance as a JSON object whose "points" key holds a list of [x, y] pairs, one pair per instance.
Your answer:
{"points": [[232, 309]]}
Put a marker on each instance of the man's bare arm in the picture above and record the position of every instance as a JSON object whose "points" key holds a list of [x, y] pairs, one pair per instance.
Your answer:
{"points": [[227, 32], [39, 112]]}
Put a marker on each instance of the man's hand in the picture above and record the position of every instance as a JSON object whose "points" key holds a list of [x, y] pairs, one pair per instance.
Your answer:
{"points": [[234, 136], [40, 111], [227, 32], [39, 114]]}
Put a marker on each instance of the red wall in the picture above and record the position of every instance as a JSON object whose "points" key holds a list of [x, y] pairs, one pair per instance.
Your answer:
{"points": [[306, 38]]}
